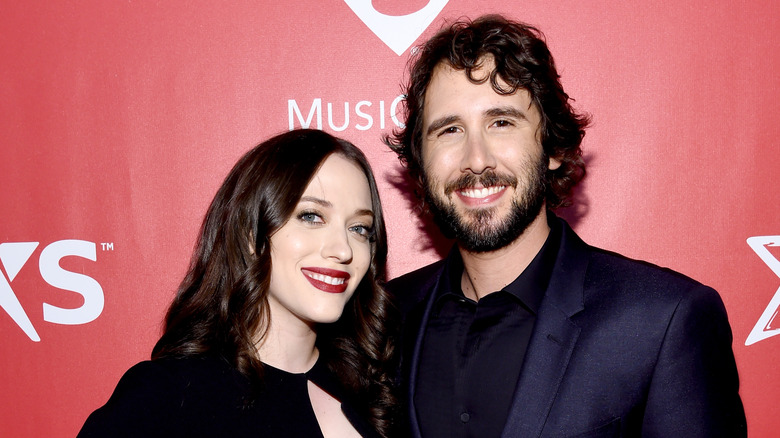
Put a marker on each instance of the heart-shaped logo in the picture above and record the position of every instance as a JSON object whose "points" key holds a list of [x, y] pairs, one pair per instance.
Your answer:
{"points": [[398, 32]]}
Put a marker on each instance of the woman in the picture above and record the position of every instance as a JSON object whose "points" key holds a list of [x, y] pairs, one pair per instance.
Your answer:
{"points": [[279, 327]]}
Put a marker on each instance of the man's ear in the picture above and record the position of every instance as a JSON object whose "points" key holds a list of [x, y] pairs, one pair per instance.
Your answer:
{"points": [[420, 181]]}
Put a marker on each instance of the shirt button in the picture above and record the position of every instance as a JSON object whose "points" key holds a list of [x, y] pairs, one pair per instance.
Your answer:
{"points": [[465, 417]]}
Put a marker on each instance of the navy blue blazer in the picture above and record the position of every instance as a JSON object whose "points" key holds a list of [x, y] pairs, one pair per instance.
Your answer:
{"points": [[621, 348]]}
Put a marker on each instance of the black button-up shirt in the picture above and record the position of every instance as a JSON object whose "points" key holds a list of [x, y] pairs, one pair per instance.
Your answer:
{"points": [[473, 350]]}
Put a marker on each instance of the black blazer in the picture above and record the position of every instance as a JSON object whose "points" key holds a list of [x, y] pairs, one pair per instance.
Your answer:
{"points": [[620, 348]]}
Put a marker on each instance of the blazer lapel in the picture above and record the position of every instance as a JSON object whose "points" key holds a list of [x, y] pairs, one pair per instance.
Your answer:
{"points": [[552, 341], [417, 319]]}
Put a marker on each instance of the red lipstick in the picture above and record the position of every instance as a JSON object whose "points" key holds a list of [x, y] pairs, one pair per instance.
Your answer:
{"points": [[327, 280]]}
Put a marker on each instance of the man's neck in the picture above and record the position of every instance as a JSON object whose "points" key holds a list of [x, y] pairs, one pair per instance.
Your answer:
{"points": [[487, 272]]}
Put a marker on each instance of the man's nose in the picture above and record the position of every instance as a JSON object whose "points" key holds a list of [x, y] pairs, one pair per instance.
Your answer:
{"points": [[477, 155]]}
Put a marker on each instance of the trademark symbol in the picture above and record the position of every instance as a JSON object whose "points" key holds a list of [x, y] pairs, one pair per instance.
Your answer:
{"points": [[107, 246]]}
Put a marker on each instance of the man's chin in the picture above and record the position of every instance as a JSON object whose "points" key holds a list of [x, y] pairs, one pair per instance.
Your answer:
{"points": [[477, 229], [482, 234], [481, 227], [485, 230]]}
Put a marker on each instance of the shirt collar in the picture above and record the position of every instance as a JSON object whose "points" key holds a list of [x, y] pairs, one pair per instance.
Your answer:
{"points": [[529, 287]]}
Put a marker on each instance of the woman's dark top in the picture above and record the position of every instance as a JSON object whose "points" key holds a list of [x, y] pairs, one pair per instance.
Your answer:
{"points": [[207, 397]]}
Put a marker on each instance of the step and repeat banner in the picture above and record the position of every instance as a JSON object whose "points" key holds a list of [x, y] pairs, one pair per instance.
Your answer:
{"points": [[119, 120]]}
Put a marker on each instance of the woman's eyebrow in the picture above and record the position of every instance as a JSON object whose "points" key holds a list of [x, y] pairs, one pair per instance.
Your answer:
{"points": [[314, 199]]}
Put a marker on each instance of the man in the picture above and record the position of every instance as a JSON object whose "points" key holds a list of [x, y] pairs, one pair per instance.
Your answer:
{"points": [[524, 330]]}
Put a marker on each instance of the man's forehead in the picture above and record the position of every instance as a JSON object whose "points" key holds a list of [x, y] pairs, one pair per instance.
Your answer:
{"points": [[484, 66], [479, 77]]}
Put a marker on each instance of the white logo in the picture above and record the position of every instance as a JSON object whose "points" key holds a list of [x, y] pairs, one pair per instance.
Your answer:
{"points": [[365, 112], [398, 32], [14, 255], [766, 327]]}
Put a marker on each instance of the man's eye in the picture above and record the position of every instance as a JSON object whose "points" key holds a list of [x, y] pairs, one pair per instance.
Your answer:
{"points": [[502, 123]]}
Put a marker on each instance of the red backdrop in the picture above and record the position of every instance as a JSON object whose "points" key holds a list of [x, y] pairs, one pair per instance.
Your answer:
{"points": [[119, 120]]}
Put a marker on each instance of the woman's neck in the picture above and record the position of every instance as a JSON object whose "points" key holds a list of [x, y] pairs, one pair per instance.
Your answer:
{"points": [[289, 345]]}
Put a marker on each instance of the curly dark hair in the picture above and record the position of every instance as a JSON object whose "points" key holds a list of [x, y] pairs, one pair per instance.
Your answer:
{"points": [[222, 303], [522, 60]]}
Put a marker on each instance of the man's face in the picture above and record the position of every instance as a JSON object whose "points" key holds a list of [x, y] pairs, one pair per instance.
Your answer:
{"points": [[483, 165]]}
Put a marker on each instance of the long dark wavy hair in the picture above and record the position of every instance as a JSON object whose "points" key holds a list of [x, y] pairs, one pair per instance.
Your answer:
{"points": [[522, 60], [222, 304]]}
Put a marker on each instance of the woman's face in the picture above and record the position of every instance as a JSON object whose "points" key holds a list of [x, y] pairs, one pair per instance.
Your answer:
{"points": [[323, 251]]}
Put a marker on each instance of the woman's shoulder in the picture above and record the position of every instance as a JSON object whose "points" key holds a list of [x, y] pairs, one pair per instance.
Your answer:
{"points": [[175, 377], [161, 397]]}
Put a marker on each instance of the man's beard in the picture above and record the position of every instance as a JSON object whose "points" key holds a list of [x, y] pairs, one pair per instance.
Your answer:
{"points": [[475, 231]]}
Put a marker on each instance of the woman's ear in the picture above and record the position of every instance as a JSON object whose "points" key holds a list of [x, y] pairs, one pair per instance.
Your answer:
{"points": [[251, 243]]}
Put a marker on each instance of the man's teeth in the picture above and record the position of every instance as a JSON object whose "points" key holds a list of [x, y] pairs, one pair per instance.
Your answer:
{"points": [[326, 279], [482, 193]]}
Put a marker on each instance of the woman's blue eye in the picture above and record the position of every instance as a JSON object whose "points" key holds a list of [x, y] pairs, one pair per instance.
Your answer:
{"points": [[363, 230], [309, 217]]}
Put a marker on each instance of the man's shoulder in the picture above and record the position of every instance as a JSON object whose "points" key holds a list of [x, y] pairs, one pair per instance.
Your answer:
{"points": [[606, 263], [603, 266], [412, 287], [418, 276], [610, 274]]}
